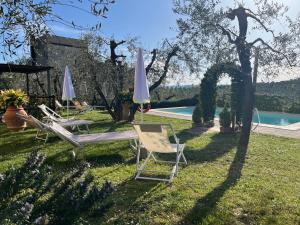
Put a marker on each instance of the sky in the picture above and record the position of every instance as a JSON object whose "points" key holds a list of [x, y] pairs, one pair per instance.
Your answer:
{"points": [[151, 21]]}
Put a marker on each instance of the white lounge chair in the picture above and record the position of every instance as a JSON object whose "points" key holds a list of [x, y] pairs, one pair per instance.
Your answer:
{"points": [[82, 139], [59, 105], [42, 132], [154, 138], [85, 104], [53, 116]]}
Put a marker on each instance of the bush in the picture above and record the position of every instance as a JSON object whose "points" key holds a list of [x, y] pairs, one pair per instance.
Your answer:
{"points": [[225, 120], [295, 108], [32, 108], [198, 114], [179, 103]]}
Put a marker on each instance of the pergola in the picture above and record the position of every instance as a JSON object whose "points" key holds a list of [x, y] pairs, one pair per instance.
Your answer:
{"points": [[27, 70]]}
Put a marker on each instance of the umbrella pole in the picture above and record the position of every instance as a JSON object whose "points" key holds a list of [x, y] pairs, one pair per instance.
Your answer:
{"points": [[142, 116], [68, 109]]}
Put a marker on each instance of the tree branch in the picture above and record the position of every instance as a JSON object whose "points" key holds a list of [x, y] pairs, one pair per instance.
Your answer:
{"points": [[154, 54], [272, 49], [166, 68], [261, 23], [227, 33]]}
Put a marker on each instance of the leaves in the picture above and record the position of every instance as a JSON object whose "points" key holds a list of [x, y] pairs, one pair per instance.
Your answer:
{"points": [[13, 97], [32, 18]]}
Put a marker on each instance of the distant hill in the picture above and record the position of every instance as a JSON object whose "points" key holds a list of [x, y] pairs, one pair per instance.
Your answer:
{"points": [[288, 89], [281, 96]]}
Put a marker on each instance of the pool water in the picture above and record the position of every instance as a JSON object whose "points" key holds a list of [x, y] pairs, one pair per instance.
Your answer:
{"points": [[273, 118]]}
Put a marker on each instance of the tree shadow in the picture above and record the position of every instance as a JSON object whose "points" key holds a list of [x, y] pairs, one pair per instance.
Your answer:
{"points": [[129, 202], [205, 204], [16, 145], [219, 145]]}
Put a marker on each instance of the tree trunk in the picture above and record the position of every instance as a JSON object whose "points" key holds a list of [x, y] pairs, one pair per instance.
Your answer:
{"points": [[247, 112], [243, 50], [100, 92]]}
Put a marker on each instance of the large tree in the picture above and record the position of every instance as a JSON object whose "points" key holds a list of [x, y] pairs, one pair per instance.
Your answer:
{"points": [[112, 63], [203, 21]]}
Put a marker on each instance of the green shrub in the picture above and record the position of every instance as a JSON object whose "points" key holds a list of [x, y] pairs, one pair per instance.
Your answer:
{"points": [[225, 117], [198, 114], [295, 108], [179, 103]]}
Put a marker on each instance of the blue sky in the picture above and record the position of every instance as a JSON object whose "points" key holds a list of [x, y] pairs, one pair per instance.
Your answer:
{"points": [[149, 20]]}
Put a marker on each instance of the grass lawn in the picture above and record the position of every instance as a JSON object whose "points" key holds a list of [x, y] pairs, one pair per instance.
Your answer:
{"points": [[220, 185]]}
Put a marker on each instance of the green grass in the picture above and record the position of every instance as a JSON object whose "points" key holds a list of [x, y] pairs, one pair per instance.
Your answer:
{"points": [[220, 185]]}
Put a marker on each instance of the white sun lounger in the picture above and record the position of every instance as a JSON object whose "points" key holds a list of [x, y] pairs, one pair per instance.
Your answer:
{"points": [[154, 138], [82, 139], [42, 132], [53, 116], [59, 105]]}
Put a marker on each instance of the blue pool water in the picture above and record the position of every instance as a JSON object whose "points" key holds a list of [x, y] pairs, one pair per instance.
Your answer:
{"points": [[273, 118]]}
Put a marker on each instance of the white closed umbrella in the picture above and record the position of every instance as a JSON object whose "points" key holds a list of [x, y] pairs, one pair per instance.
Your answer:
{"points": [[141, 91], [68, 89]]}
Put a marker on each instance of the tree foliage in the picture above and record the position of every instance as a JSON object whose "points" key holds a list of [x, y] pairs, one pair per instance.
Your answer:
{"points": [[22, 21]]}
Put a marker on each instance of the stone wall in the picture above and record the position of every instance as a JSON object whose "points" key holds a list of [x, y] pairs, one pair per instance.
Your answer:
{"points": [[58, 52]]}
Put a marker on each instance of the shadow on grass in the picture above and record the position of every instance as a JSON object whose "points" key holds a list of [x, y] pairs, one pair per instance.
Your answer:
{"points": [[17, 144], [204, 205], [131, 200], [106, 156], [219, 145]]}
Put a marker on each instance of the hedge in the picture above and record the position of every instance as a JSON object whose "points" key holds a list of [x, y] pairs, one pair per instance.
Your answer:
{"points": [[262, 102]]}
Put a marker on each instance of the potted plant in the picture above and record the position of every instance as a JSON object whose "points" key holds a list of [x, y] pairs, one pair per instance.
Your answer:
{"points": [[197, 115], [225, 120], [13, 101]]}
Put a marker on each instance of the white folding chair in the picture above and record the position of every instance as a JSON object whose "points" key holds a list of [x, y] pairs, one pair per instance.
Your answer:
{"points": [[154, 138]]}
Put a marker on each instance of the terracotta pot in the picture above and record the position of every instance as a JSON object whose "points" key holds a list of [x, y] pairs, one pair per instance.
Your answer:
{"points": [[13, 123]]}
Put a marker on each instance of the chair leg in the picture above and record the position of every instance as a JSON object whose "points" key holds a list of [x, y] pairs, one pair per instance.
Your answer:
{"points": [[184, 159], [140, 169], [138, 156], [39, 137], [46, 139], [177, 160]]}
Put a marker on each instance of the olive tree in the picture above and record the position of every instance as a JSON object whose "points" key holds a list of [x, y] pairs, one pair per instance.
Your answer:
{"points": [[243, 29]]}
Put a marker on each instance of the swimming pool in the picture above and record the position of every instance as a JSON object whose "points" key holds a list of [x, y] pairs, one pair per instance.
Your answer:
{"points": [[272, 118]]}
